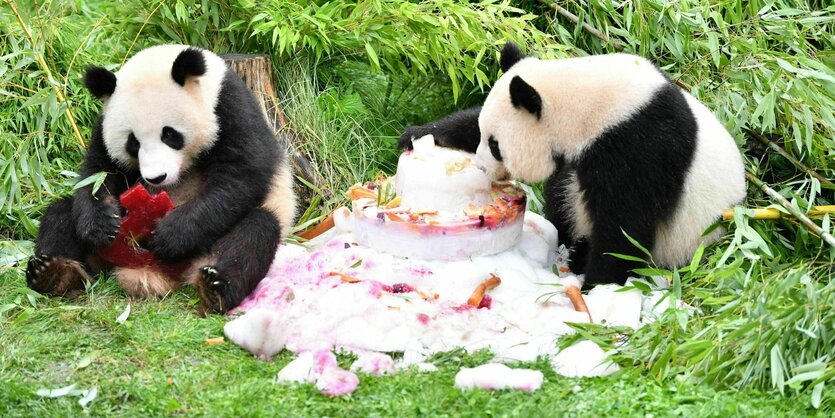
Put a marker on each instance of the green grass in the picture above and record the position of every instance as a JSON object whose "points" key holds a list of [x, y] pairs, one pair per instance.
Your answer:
{"points": [[50, 345], [350, 76]]}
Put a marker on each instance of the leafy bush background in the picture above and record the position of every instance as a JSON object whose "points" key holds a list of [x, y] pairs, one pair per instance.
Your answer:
{"points": [[352, 74]]}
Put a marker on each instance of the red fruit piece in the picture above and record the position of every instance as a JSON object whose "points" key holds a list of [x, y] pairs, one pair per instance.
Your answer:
{"points": [[401, 288], [143, 212], [486, 302]]}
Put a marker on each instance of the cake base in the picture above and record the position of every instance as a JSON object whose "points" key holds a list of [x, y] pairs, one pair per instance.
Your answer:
{"points": [[443, 235]]}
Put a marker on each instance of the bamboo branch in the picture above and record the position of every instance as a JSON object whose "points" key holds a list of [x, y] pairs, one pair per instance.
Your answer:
{"points": [[596, 32], [587, 27], [50, 79], [825, 235], [786, 155]]}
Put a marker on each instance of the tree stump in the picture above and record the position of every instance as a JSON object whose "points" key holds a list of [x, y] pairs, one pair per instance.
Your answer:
{"points": [[257, 73]]}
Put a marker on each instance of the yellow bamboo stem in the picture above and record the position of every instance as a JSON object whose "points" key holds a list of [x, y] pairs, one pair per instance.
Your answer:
{"points": [[774, 214], [814, 228], [45, 68]]}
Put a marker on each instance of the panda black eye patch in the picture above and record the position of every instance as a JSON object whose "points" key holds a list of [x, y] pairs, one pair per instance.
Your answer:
{"points": [[172, 138], [132, 147], [494, 148]]}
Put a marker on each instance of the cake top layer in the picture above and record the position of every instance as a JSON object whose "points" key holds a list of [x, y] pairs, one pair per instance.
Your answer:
{"points": [[438, 178]]}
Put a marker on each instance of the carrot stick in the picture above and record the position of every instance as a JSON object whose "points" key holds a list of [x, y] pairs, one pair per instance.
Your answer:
{"points": [[357, 191], [393, 217], [345, 278], [478, 294], [393, 204], [319, 229], [576, 298], [214, 341]]}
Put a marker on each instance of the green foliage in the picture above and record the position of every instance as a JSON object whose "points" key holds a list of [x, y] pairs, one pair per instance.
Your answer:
{"points": [[412, 39], [350, 76], [767, 65], [156, 364], [764, 294]]}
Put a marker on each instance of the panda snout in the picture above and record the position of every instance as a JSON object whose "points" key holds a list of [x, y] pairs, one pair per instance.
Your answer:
{"points": [[156, 180]]}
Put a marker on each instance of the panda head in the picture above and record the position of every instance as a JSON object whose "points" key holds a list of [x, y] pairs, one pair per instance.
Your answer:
{"points": [[515, 138], [159, 115]]}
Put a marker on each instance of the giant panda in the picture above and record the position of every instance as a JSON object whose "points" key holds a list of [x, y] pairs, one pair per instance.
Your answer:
{"points": [[175, 118], [623, 151]]}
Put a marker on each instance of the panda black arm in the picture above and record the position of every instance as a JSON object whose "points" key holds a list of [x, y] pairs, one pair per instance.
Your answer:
{"points": [[457, 130], [237, 174], [235, 181], [97, 216]]}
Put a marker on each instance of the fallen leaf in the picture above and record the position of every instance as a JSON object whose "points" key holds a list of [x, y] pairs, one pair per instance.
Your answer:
{"points": [[89, 396], [124, 316], [88, 359], [57, 393]]}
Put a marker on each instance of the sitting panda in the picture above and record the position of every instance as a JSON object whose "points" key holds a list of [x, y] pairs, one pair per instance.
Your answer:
{"points": [[177, 119], [622, 149]]}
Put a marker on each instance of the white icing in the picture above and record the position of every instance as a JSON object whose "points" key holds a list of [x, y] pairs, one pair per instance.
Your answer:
{"points": [[431, 177]]}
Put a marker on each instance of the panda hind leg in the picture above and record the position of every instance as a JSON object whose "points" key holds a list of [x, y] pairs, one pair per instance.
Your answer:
{"points": [[239, 260], [608, 238], [58, 266]]}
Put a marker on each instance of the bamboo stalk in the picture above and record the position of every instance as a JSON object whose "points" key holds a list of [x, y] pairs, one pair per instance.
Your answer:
{"points": [[786, 155], [50, 79], [825, 235], [774, 214]]}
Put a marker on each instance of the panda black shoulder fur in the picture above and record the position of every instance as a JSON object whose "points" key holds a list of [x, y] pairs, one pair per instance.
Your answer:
{"points": [[622, 149], [177, 119]]}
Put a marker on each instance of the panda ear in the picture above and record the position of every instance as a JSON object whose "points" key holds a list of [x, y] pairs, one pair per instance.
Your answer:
{"points": [[190, 62], [100, 82], [524, 95], [511, 54]]}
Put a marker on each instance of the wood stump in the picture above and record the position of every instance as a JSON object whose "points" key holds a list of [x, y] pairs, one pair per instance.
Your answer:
{"points": [[257, 73]]}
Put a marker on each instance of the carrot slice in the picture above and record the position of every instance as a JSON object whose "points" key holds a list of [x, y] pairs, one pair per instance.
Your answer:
{"points": [[478, 294], [577, 300], [319, 229], [345, 278]]}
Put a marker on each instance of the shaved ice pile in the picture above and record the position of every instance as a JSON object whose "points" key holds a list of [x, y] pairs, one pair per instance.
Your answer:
{"points": [[346, 291], [398, 305]]}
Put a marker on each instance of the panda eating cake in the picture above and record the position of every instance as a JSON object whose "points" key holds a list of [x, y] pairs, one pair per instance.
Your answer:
{"points": [[445, 208], [626, 156]]}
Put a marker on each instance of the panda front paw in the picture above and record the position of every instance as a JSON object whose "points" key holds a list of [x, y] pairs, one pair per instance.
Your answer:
{"points": [[411, 133], [99, 225], [169, 241]]}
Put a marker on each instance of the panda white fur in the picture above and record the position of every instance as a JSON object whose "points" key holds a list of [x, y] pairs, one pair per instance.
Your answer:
{"points": [[177, 119], [621, 147]]}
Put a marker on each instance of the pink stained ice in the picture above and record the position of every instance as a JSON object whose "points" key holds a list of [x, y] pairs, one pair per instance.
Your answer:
{"points": [[319, 310], [337, 382]]}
